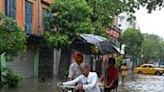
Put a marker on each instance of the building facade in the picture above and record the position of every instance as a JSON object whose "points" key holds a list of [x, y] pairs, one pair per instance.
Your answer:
{"points": [[29, 15], [123, 23]]}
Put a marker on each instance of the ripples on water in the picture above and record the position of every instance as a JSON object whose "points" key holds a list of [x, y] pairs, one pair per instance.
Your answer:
{"points": [[147, 83]]}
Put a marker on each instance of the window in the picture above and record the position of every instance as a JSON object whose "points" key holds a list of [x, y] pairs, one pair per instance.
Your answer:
{"points": [[144, 66], [150, 66], [45, 19], [28, 17], [10, 8]]}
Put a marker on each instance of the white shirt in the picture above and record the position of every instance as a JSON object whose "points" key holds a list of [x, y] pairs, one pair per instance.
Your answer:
{"points": [[90, 83], [74, 71]]}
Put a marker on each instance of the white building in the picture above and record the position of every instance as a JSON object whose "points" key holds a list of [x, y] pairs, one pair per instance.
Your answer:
{"points": [[123, 23]]}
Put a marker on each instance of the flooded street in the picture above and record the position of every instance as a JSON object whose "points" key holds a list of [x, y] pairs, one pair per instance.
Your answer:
{"points": [[140, 83], [30, 85], [146, 83]]}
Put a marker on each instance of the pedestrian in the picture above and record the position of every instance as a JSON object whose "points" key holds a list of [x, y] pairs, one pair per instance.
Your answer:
{"points": [[111, 76], [104, 65], [124, 72], [88, 80], [74, 69]]}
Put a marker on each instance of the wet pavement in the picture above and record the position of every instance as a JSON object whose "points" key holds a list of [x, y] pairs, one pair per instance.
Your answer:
{"points": [[137, 83]]}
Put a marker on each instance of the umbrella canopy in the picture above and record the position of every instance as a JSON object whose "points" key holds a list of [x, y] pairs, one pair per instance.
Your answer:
{"points": [[93, 44]]}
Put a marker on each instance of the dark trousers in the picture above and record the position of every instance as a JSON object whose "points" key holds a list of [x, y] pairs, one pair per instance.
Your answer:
{"points": [[110, 89], [79, 91], [107, 89]]}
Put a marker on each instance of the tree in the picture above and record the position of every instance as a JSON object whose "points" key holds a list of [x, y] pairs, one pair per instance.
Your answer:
{"points": [[12, 39], [71, 18], [151, 4], [103, 11], [152, 47], [161, 52], [74, 17], [132, 38]]}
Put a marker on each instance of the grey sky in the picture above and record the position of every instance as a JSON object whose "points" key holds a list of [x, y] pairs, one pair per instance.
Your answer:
{"points": [[151, 23]]}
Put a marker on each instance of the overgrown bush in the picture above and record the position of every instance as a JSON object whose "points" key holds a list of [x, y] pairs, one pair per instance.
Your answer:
{"points": [[9, 78]]}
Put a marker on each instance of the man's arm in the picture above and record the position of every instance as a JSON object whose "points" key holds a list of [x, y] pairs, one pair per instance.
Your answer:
{"points": [[73, 82], [92, 84]]}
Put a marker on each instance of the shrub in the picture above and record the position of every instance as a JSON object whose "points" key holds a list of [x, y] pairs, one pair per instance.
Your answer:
{"points": [[9, 79]]}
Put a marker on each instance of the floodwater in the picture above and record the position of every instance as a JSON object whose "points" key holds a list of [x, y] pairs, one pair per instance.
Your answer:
{"points": [[139, 83], [30, 85], [146, 83]]}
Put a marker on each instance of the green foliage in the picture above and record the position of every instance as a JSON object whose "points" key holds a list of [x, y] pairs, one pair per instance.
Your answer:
{"points": [[161, 50], [151, 4], [103, 11], [71, 18], [9, 79], [132, 38], [56, 40], [12, 39], [152, 48]]}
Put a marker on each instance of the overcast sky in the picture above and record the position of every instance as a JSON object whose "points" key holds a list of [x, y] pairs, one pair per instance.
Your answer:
{"points": [[151, 23]]}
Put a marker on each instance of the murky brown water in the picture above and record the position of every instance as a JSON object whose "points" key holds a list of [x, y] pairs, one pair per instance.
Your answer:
{"points": [[140, 83], [30, 85]]}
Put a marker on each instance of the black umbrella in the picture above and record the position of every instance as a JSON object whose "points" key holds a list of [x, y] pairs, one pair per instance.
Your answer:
{"points": [[93, 44]]}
